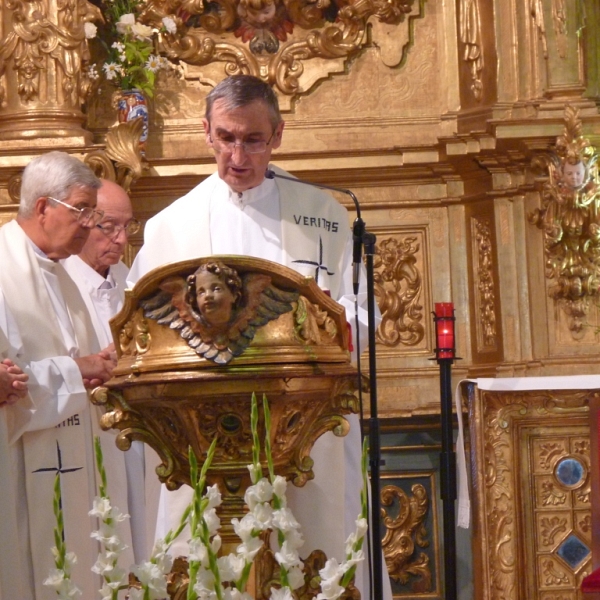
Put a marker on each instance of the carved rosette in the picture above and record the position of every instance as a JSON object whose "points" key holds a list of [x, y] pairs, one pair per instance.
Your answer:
{"points": [[43, 68], [532, 461]]}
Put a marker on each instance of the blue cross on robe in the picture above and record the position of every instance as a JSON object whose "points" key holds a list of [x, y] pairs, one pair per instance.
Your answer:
{"points": [[319, 266]]}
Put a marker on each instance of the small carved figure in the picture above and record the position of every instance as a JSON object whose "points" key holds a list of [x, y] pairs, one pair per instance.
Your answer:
{"points": [[216, 310], [214, 291], [573, 174]]}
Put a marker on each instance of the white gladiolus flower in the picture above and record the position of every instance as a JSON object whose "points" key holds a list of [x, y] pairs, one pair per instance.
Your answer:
{"points": [[249, 548], [230, 567], [331, 574], [213, 494], [64, 587], [280, 487], [255, 472], [362, 525], [287, 557], [259, 493], [197, 551], [212, 521], [153, 578], [284, 520], [281, 594], [169, 24], [125, 23], [263, 513], [295, 577], [142, 32], [90, 30]]}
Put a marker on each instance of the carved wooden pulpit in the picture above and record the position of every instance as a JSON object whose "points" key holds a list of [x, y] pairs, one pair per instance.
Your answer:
{"points": [[196, 339]]}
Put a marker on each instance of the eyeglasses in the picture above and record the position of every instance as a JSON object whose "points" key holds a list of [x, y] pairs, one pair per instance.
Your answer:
{"points": [[112, 231], [257, 147], [86, 216]]}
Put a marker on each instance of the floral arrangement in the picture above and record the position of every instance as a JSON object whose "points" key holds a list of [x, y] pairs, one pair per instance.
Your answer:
{"points": [[133, 60], [212, 577]]}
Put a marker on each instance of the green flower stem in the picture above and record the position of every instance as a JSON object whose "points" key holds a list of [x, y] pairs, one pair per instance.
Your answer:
{"points": [[268, 451], [255, 439], [59, 530]]}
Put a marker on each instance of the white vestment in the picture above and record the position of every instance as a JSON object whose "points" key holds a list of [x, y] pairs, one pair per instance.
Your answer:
{"points": [[53, 328], [307, 230], [131, 493], [16, 574]]}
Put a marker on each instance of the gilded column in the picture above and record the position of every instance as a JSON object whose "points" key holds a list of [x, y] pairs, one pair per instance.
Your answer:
{"points": [[43, 69]]}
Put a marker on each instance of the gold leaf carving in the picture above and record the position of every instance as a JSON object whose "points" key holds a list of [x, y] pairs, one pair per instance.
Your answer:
{"points": [[43, 44], [275, 39], [484, 283], [504, 534], [405, 533], [554, 575], [550, 528], [470, 36], [551, 496], [570, 220], [398, 287]]}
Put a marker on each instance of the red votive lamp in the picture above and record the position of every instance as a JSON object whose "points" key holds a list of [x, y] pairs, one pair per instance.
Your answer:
{"points": [[444, 329]]}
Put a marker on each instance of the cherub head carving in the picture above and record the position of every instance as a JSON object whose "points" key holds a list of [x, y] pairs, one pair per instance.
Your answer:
{"points": [[214, 294], [573, 173]]}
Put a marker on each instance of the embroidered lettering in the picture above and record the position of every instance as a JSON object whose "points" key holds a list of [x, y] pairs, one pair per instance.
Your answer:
{"points": [[318, 222], [70, 422]]}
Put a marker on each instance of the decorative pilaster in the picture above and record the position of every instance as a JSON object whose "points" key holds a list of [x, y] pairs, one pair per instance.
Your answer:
{"points": [[43, 70]]}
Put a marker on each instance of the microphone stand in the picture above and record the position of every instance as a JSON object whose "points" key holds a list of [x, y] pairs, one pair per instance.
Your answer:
{"points": [[362, 238]]}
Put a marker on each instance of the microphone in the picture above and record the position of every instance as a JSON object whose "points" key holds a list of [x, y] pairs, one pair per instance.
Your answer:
{"points": [[358, 229]]}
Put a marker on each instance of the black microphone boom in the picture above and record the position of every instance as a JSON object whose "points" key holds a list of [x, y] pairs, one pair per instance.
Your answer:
{"points": [[361, 237]]}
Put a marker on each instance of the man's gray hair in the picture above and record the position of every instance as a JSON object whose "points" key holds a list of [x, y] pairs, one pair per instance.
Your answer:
{"points": [[238, 91], [53, 174]]}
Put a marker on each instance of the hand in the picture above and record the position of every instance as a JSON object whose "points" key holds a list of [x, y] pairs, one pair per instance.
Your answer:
{"points": [[13, 382], [96, 369]]}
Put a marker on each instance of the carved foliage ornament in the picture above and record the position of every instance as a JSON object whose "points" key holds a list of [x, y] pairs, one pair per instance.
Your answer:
{"points": [[272, 39], [398, 287], [45, 50], [570, 220]]}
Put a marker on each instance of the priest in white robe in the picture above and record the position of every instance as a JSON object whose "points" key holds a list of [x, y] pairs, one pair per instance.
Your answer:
{"points": [[100, 275], [238, 211], [58, 347], [15, 410]]}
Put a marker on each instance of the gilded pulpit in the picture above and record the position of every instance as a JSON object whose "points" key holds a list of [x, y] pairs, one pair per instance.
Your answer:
{"points": [[196, 340]]}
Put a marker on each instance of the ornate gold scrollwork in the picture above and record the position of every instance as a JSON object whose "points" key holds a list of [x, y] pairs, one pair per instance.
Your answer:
{"points": [[271, 39], [570, 220], [405, 533], [484, 276], [398, 287], [122, 160]]}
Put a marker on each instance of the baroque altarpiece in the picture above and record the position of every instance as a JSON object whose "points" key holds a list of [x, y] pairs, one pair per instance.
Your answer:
{"points": [[468, 131]]}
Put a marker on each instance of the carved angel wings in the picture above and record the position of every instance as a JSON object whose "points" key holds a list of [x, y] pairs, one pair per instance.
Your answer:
{"points": [[259, 302]]}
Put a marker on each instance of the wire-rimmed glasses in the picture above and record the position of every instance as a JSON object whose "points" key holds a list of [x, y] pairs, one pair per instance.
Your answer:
{"points": [[251, 147], [86, 216], [112, 230]]}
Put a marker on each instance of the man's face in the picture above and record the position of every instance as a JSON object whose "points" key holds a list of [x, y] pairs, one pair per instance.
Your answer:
{"points": [[63, 233], [240, 170], [102, 250]]}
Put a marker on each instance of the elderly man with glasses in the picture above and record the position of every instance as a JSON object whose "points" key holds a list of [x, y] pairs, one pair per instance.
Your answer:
{"points": [[101, 276], [49, 328], [239, 210]]}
